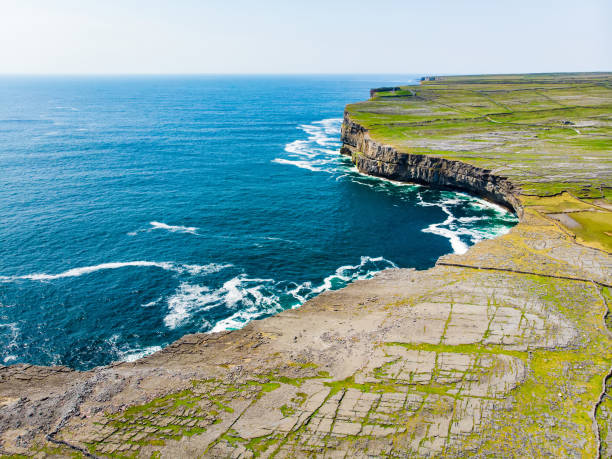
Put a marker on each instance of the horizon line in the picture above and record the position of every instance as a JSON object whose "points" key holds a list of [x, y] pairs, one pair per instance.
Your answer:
{"points": [[127, 74]]}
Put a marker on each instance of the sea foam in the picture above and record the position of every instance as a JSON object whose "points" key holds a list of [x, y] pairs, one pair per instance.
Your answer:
{"points": [[134, 354], [252, 298], [164, 226], [12, 332], [319, 152], [453, 227], [187, 300], [76, 272], [174, 228]]}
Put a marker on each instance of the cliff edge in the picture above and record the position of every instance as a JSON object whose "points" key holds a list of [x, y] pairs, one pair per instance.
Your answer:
{"points": [[503, 351]]}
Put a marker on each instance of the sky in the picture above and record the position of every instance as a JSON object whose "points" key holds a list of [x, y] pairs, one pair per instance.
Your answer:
{"points": [[313, 36]]}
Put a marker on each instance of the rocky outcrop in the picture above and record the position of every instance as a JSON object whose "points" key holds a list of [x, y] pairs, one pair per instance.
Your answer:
{"points": [[499, 352], [374, 158]]}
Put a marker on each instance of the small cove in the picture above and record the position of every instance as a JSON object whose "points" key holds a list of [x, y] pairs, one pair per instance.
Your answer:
{"points": [[142, 209]]}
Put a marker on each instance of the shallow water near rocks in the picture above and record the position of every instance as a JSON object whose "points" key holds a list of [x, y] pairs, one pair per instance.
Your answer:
{"points": [[137, 210]]}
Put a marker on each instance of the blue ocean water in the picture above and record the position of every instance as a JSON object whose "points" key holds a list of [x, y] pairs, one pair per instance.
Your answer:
{"points": [[136, 210]]}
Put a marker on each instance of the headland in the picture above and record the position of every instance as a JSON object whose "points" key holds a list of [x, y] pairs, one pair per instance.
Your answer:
{"points": [[503, 351]]}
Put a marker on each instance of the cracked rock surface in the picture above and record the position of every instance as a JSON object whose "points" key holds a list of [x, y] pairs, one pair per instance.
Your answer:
{"points": [[502, 351]]}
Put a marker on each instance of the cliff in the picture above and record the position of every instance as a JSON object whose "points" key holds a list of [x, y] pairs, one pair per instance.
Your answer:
{"points": [[502, 351], [380, 160]]}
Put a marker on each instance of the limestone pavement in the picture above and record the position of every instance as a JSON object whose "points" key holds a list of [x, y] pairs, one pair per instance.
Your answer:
{"points": [[500, 352]]}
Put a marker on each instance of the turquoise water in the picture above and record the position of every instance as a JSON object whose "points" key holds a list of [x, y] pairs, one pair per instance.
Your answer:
{"points": [[137, 210]]}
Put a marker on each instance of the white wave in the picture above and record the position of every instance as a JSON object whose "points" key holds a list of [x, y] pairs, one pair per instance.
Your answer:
{"points": [[258, 304], [350, 273], [324, 131], [280, 239], [400, 184], [247, 290], [12, 344], [300, 164], [239, 292], [457, 244], [471, 219], [319, 152], [130, 354], [233, 292], [188, 299], [76, 272], [236, 321], [164, 226], [204, 269], [256, 300], [484, 204], [478, 234], [151, 303], [452, 228], [299, 147], [253, 298], [379, 183], [440, 229], [174, 228], [14, 330], [135, 354]]}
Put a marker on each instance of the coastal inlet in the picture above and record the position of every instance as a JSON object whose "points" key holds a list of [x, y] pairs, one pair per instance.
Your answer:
{"points": [[140, 210]]}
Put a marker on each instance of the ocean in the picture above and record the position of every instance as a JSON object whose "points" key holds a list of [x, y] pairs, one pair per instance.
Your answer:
{"points": [[136, 210]]}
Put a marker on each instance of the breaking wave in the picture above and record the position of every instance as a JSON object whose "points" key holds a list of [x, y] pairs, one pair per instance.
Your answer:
{"points": [[242, 298], [320, 153], [76, 272], [174, 228], [461, 231], [134, 354], [164, 226], [10, 346], [198, 189], [123, 353]]}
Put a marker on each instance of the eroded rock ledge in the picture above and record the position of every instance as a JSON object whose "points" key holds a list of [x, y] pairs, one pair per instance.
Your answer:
{"points": [[502, 351], [379, 160]]}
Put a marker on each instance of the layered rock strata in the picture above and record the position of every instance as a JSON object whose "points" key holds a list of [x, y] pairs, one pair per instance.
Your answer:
{"points": [[374, 158], [503, 351]]}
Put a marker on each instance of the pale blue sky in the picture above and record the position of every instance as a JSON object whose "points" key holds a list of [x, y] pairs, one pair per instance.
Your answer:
{"points": [[384, 36]]}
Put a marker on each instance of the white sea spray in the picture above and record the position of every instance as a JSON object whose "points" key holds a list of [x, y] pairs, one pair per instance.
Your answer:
{"points": [[83, 270]]}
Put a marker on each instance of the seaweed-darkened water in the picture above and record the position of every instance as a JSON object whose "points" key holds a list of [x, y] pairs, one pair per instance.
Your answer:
{"points": [[136, 210]]}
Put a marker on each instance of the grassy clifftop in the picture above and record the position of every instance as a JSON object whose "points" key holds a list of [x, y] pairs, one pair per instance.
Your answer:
{"points": [[551, 137], [550, 134], [504, 351]]}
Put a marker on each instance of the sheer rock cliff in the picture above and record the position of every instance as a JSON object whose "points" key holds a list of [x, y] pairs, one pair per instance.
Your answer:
{"points": [[503, 351]]}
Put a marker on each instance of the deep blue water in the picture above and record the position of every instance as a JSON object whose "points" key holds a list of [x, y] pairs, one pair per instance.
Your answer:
{"points": [[136, 210]]}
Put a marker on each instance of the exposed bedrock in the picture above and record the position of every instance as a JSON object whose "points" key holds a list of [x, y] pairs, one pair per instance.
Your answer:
{"points": [[502, 351], [380, 160]]}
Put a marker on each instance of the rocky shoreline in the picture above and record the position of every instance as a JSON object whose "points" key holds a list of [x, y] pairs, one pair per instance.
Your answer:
{"points": [[373, 158], [501, 351]]}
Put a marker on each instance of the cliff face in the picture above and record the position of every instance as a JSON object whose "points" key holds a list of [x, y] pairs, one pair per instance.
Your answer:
{"points": [[501, 351], [372, 158]]}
